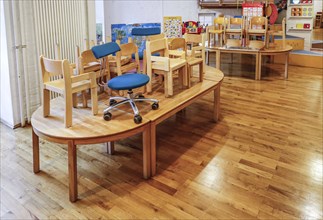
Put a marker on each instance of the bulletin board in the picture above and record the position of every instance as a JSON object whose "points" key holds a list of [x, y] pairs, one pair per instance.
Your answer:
{"points": [[252, 9], [173, 26]]}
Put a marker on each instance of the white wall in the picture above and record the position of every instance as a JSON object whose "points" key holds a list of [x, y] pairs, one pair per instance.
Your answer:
{"points": [[151, 11], [5, 100], [318, 5]]}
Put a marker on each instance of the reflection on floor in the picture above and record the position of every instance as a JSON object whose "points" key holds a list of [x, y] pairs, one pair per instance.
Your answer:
{"points": [[317, 38]]}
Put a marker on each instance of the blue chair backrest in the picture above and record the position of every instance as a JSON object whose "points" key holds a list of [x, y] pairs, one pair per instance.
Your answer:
{"points": [[145, 31], [104, 50]]}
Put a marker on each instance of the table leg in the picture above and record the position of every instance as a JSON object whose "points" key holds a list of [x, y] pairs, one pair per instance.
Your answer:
{"points": [[216, 104], [146, 151], [218, 59], [286, 65], [72, 171], [35, 140], [153, 153], [110, 147], [258, 66]]}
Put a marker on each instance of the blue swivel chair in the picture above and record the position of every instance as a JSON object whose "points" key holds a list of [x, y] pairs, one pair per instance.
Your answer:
{"points": [[127, 81]]}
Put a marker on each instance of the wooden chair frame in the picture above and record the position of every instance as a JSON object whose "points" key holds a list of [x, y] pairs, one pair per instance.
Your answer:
{"points": [[67, 85], [164, 65]]}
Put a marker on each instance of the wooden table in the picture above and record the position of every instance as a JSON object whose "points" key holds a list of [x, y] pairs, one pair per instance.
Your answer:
{"points": [[89, 129], [86, 129], [238, 51], [278, 50]]}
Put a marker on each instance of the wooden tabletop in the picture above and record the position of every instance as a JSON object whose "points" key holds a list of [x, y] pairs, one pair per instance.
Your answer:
{"points": [[87, 127]]}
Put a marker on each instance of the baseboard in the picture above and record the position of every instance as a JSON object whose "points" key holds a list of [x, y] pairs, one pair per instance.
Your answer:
{"points": [[302, 58]]}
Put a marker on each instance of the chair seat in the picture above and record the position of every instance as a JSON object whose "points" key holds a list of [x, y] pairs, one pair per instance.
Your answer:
{"points": [[256, 31], [92, 67], [233, 30], [113, 61], [193, 61], [59, 86], [128, 81], [176, 63]]}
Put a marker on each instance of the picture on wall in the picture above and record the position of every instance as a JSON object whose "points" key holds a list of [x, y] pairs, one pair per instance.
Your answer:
{"points": [[173, 26], [123, 31]]}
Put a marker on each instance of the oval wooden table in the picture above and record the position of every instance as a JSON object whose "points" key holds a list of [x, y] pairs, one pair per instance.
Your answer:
{"points": [[89, 129], [86, 129], [272, 51]]}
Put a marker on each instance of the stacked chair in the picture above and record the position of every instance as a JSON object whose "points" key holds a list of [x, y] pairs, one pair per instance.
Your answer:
{"points": [[164, 65], [216, 30]]}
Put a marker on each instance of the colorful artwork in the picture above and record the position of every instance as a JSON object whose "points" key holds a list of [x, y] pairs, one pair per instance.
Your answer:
{"points": [[173, 26], [123, 31]]}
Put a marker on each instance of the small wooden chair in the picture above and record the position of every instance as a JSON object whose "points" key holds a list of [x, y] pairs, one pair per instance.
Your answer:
{"points": [[235, 27], [275, 31], [126, 52], [67, 85], [217, 29], [164, 65], [196, 54], [258, 26]]}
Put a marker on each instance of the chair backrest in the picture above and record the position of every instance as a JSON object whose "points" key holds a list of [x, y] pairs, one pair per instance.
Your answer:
{"points": [[127, 50], [156, 46], [258, 22], [55, 68], [235, 23], [104, 50], [177, 43], [155, 37], [219, 22], [88, 57], [195, 38]]}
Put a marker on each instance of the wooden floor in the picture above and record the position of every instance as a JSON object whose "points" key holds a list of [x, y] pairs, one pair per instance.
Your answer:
{"points": [[262, 160]]}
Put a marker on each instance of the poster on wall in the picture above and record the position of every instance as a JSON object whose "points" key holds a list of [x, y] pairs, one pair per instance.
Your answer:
{"points": [[123, 31], [173, 26]]}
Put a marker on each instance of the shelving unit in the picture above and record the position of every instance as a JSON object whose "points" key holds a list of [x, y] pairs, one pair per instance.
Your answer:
{"points": [[300, 20]]}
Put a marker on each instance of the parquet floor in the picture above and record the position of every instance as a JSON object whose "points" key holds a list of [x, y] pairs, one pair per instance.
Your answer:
{"points": [[262, 160]]}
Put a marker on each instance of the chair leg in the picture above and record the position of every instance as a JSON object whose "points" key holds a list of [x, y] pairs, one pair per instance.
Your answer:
{"points": [[46, 102], [201, 71], [94, 100], [149, 84], [74, 99], [84, 99], [181, 77], [68, 109], [168, 84], [188, 79]]}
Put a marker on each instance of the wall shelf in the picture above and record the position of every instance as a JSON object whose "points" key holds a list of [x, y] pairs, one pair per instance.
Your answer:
{"points": [[300, 29], [302, 4], [300, 17]]}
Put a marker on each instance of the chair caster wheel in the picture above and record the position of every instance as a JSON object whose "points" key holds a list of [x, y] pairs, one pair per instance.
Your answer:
{"points": [[112, 102], [155, 106], [107, 116], [137, 119]]}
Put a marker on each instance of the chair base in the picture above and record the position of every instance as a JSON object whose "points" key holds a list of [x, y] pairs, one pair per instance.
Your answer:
{"points": [[131, 99]]}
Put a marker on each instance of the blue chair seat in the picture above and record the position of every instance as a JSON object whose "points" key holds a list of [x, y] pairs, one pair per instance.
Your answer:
{"points": [[128, 81]]}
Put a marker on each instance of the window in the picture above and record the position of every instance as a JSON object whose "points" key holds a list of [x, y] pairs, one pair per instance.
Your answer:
{"points": [[206, 19]]}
